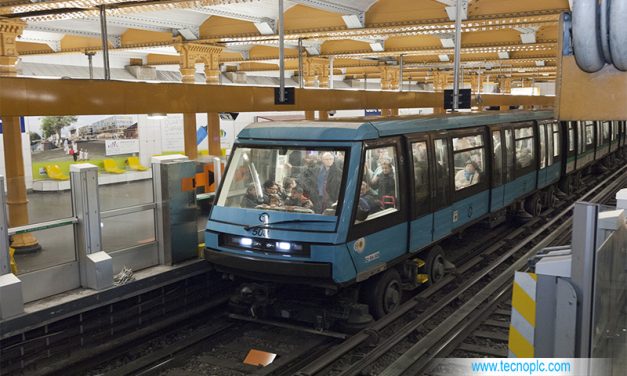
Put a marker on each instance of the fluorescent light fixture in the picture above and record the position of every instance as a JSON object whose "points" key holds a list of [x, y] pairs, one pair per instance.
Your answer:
{"points": [[265, 28], [313, 50], [539, 63], [503, 54], [444, 57], [245, 242], [528, 37], [157, 116], [352, 21], [377, 46], [545, 74], [447, 42]]}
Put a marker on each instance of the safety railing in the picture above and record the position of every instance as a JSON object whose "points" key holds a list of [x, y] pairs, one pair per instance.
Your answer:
{"points": [[93, 263]]}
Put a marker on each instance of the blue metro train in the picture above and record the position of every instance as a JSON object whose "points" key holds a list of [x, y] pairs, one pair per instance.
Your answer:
{"points": [[365, 203]]}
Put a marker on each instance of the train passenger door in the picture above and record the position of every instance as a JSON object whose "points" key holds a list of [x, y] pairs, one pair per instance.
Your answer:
{"points": [[542, 156], [379, 229], [441, 188], [421, 223], [570, 148], [498, 170]]}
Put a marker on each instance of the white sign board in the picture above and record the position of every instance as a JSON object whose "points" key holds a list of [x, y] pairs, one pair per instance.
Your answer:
{"points": [[117, 147]]}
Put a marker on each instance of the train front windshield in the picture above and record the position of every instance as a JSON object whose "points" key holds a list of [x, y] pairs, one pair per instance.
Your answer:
{"points": [[305, 180]]}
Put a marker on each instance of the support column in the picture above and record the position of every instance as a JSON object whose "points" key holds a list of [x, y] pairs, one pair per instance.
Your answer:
{"points": [[316, 69], [323, 115], [505, 87], [189, 135], [440, 81], [213, 133], [12, 138], [310, 115]]}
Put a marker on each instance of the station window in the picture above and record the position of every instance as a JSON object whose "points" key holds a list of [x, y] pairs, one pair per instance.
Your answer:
{"points": [[469, 160], [441, 172], [497, 159], [379, 187], [421, 176], [542, 128], [524, 147]]}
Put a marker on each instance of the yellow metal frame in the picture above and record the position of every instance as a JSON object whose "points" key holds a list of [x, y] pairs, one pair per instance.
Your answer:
{"points": [[37, 97]]}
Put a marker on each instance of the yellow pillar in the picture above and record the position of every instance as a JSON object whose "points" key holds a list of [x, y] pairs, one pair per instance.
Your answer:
{"points": [[310, 115], [17, 200], [323, 115], [189, 135], [440, 81], [213, 133]]}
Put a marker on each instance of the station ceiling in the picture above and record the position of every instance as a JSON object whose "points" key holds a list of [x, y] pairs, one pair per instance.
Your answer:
{"points": [[500, 37]]}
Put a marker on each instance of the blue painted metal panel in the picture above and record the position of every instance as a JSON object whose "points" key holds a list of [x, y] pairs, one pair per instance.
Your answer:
{"points": [[553, 173], [379, 247], [542, 178], [421, 232], [496, 198], [519, 187], [459, 214], [442, 223]]}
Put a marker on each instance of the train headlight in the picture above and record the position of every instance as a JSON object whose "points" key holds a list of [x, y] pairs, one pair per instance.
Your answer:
{"points": [[283, 246], [245, 242]]}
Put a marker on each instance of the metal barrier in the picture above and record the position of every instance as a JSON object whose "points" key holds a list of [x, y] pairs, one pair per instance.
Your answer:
{"points": [[175, 236], [579, 292]]}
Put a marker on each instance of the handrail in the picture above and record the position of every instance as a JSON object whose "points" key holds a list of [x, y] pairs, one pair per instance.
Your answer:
{"points": [[127, 210], [42, 226]]}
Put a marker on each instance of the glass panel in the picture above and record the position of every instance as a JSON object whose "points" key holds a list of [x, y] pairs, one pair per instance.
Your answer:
{"points": [[57, 247], [509, 155], [571, 137], [556, 140], [421, 176], [609, 310], [542, 128], [467, 142], [524, 152], [606, 131], [441, 172], [468, 173], [523, 132], [549, 145], [582, 138], [589, 134], [267, 178], [497, 159], [122, 195], [128, 230], [378, 195]]}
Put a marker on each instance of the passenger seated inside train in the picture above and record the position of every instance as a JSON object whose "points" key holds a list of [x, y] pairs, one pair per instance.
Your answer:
{"points": [[271, 194], [298, 199], [368, 202], [468, 176], [250, 199]]}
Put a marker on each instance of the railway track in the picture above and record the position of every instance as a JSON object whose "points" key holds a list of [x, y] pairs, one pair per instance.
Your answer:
{"points": [[411, 346], [465, 314]]}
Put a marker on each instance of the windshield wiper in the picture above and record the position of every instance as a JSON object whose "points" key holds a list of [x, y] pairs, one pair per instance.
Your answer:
{"points": [[268, 225]]}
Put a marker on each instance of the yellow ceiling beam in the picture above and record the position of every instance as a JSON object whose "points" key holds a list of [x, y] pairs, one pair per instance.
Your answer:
{"points": [[35, 97]]}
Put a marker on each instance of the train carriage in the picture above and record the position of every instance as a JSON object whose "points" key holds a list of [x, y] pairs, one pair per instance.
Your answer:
{"points": [[390, 192]]}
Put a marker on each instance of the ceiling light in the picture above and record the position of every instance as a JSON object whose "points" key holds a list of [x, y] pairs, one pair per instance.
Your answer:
{"points": [[157, 116], [539, 63], [503, 55], [444, 58]]}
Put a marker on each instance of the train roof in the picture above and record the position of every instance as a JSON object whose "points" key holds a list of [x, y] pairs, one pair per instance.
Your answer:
{"points": [[360, 129]]}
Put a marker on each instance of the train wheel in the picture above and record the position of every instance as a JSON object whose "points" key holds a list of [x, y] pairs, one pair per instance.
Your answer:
{"points": [[533, 205], [436, 264], [383, 294]]}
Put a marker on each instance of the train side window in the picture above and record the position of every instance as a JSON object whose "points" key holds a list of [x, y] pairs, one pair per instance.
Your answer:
{"points": [[441, 172], [614, 131], [497, 159], [542, 129], [421, 176], [524, 147], [549, 145], [556, 141], [589, 134], [606, 132], [509, 155], [469, 160], [378, 194], [571, 137], [581, 138]]}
